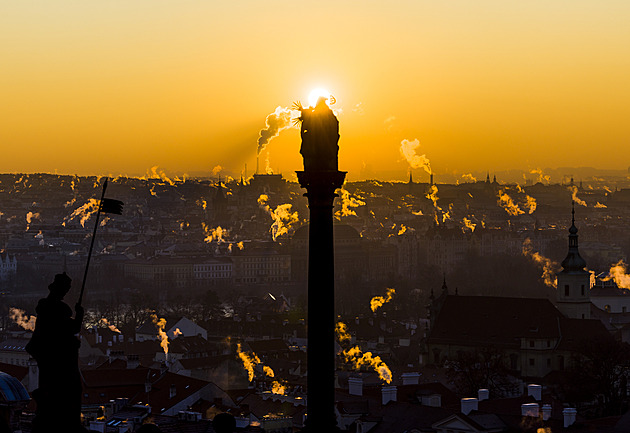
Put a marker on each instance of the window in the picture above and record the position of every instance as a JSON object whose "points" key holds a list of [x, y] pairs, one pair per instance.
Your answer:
{"points": [[531, 343], [566, 290], [623, 309], [548, 343], [532, 362], [582, 289]]}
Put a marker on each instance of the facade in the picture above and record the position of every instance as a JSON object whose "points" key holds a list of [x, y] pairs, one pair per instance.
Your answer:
{"points": [[8, 266]]}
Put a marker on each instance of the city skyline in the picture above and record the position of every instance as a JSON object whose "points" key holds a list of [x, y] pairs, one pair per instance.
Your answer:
{"points": [[119, 88]]}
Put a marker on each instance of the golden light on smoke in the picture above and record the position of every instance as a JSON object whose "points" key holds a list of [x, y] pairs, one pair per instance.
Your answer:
{"points": [[348, 202], [22, 319], [403, 230], [469, 224], [358, 359], [378, 301], [217, 169], [155, 173], [619, 274], [341, 329], [574, 197], [600, 206], [541, 176], [177, 333], [202, 203], [530, 204], [30, 216], [506, 202], [249, 361], [278, 388], [214, 234], [160, 324], [408, 149], [83, 212], [268, 371], [468, 177], [240, 245], [111, 327], [550, 268], [282, 217]]}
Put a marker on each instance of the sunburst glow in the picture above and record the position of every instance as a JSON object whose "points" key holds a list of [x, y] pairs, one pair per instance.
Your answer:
{"points": [[315, 94]]}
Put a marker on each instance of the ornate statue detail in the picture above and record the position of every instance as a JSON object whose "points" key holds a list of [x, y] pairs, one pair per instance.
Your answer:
{"points": [[320, 136], [55, 347]]}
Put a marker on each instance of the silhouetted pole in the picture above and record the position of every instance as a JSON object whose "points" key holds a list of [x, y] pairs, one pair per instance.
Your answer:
{"points": [[320, 178]]}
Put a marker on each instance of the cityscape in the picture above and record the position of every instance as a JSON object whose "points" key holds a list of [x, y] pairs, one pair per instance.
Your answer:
{"points": [[324, 217]]}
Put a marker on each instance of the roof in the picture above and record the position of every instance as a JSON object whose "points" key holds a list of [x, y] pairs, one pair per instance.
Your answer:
{"points": [[11, 390], [494, 320]]}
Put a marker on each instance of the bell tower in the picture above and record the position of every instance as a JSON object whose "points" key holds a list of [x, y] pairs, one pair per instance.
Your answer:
{"points": [[573, 298]]}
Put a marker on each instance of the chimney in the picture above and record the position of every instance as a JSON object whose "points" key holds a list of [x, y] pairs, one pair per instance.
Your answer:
{"points": [[97, 426], [172, 392], [469, 404], [529, 409], [355, 386], [410, 378], [388, 394], [546, 412], [535, 391], [483, 394], [569, 415]]}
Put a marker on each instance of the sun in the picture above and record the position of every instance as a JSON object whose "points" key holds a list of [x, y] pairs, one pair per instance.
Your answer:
{"points": [[315, 94]]}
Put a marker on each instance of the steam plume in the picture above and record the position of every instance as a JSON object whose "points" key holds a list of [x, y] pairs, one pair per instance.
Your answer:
{"points": [[550, 268], [22, 319], [574, 197], [159, 174], [217, 169], [379, 301], [541, 176], [469, 224], [347, 203], [275, 122], [506, 202], [249, 361], [83, 212], [111, 327], [282, 217], [408, 150], [619, 274], [160, 324], [358, 359]]}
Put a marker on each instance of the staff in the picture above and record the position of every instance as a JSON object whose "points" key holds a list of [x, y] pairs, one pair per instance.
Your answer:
{"points": [[106, 205]]}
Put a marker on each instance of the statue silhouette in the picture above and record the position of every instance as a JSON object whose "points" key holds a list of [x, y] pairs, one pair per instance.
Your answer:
{"points": [[55, 347], [320, 135]]}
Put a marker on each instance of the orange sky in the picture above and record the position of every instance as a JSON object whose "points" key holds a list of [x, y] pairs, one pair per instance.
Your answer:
{"points": [[98, 87]]}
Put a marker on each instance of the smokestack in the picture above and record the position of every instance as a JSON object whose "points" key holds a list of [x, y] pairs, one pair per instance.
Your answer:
{"points": [[410, 378], [355, 386], [529, 409], [469, 404], [257, 158], [546, 412], [535, 391], [431, 179], [483, 394], [388, 394], [569, 414]]}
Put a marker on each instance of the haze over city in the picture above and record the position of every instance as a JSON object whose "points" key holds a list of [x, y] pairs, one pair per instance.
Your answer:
{"points": [[117, 87]]}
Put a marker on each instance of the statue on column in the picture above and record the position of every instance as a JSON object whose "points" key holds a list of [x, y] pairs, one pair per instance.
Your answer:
{"points": [[320, 137], [55, 347]]}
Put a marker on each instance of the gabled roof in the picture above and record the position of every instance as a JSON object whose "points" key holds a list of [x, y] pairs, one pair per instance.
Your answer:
{"points": [[494, 320]]}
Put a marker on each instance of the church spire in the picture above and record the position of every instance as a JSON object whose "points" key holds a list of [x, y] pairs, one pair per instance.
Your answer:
{"points": [[573, 262]]}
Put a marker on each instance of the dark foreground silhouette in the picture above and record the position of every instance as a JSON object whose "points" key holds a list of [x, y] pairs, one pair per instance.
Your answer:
{"points": [[55, 347]]}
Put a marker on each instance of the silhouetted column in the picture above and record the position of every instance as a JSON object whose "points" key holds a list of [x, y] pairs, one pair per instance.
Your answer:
{"points": [[320, 178]]}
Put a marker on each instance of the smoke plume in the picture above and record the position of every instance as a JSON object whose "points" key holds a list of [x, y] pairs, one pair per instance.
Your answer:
{"points": [[408, 150], [379, 301], [549, 267], [84, 212], [111, 327], [506, 202], [619, 274], [574, 197], [22, 319], [347, 203], [160, 324], [358, 359], [276, 122], [282, 217]]}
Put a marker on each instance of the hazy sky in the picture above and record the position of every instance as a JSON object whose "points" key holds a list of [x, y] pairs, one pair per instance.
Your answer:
{"points": [[109, 86]]}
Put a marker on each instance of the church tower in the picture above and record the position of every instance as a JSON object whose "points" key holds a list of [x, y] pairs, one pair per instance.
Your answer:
{"points": [[573, 298]]}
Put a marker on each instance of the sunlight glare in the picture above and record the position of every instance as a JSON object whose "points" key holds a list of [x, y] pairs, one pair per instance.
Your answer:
{"points": [[315, 94]]}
